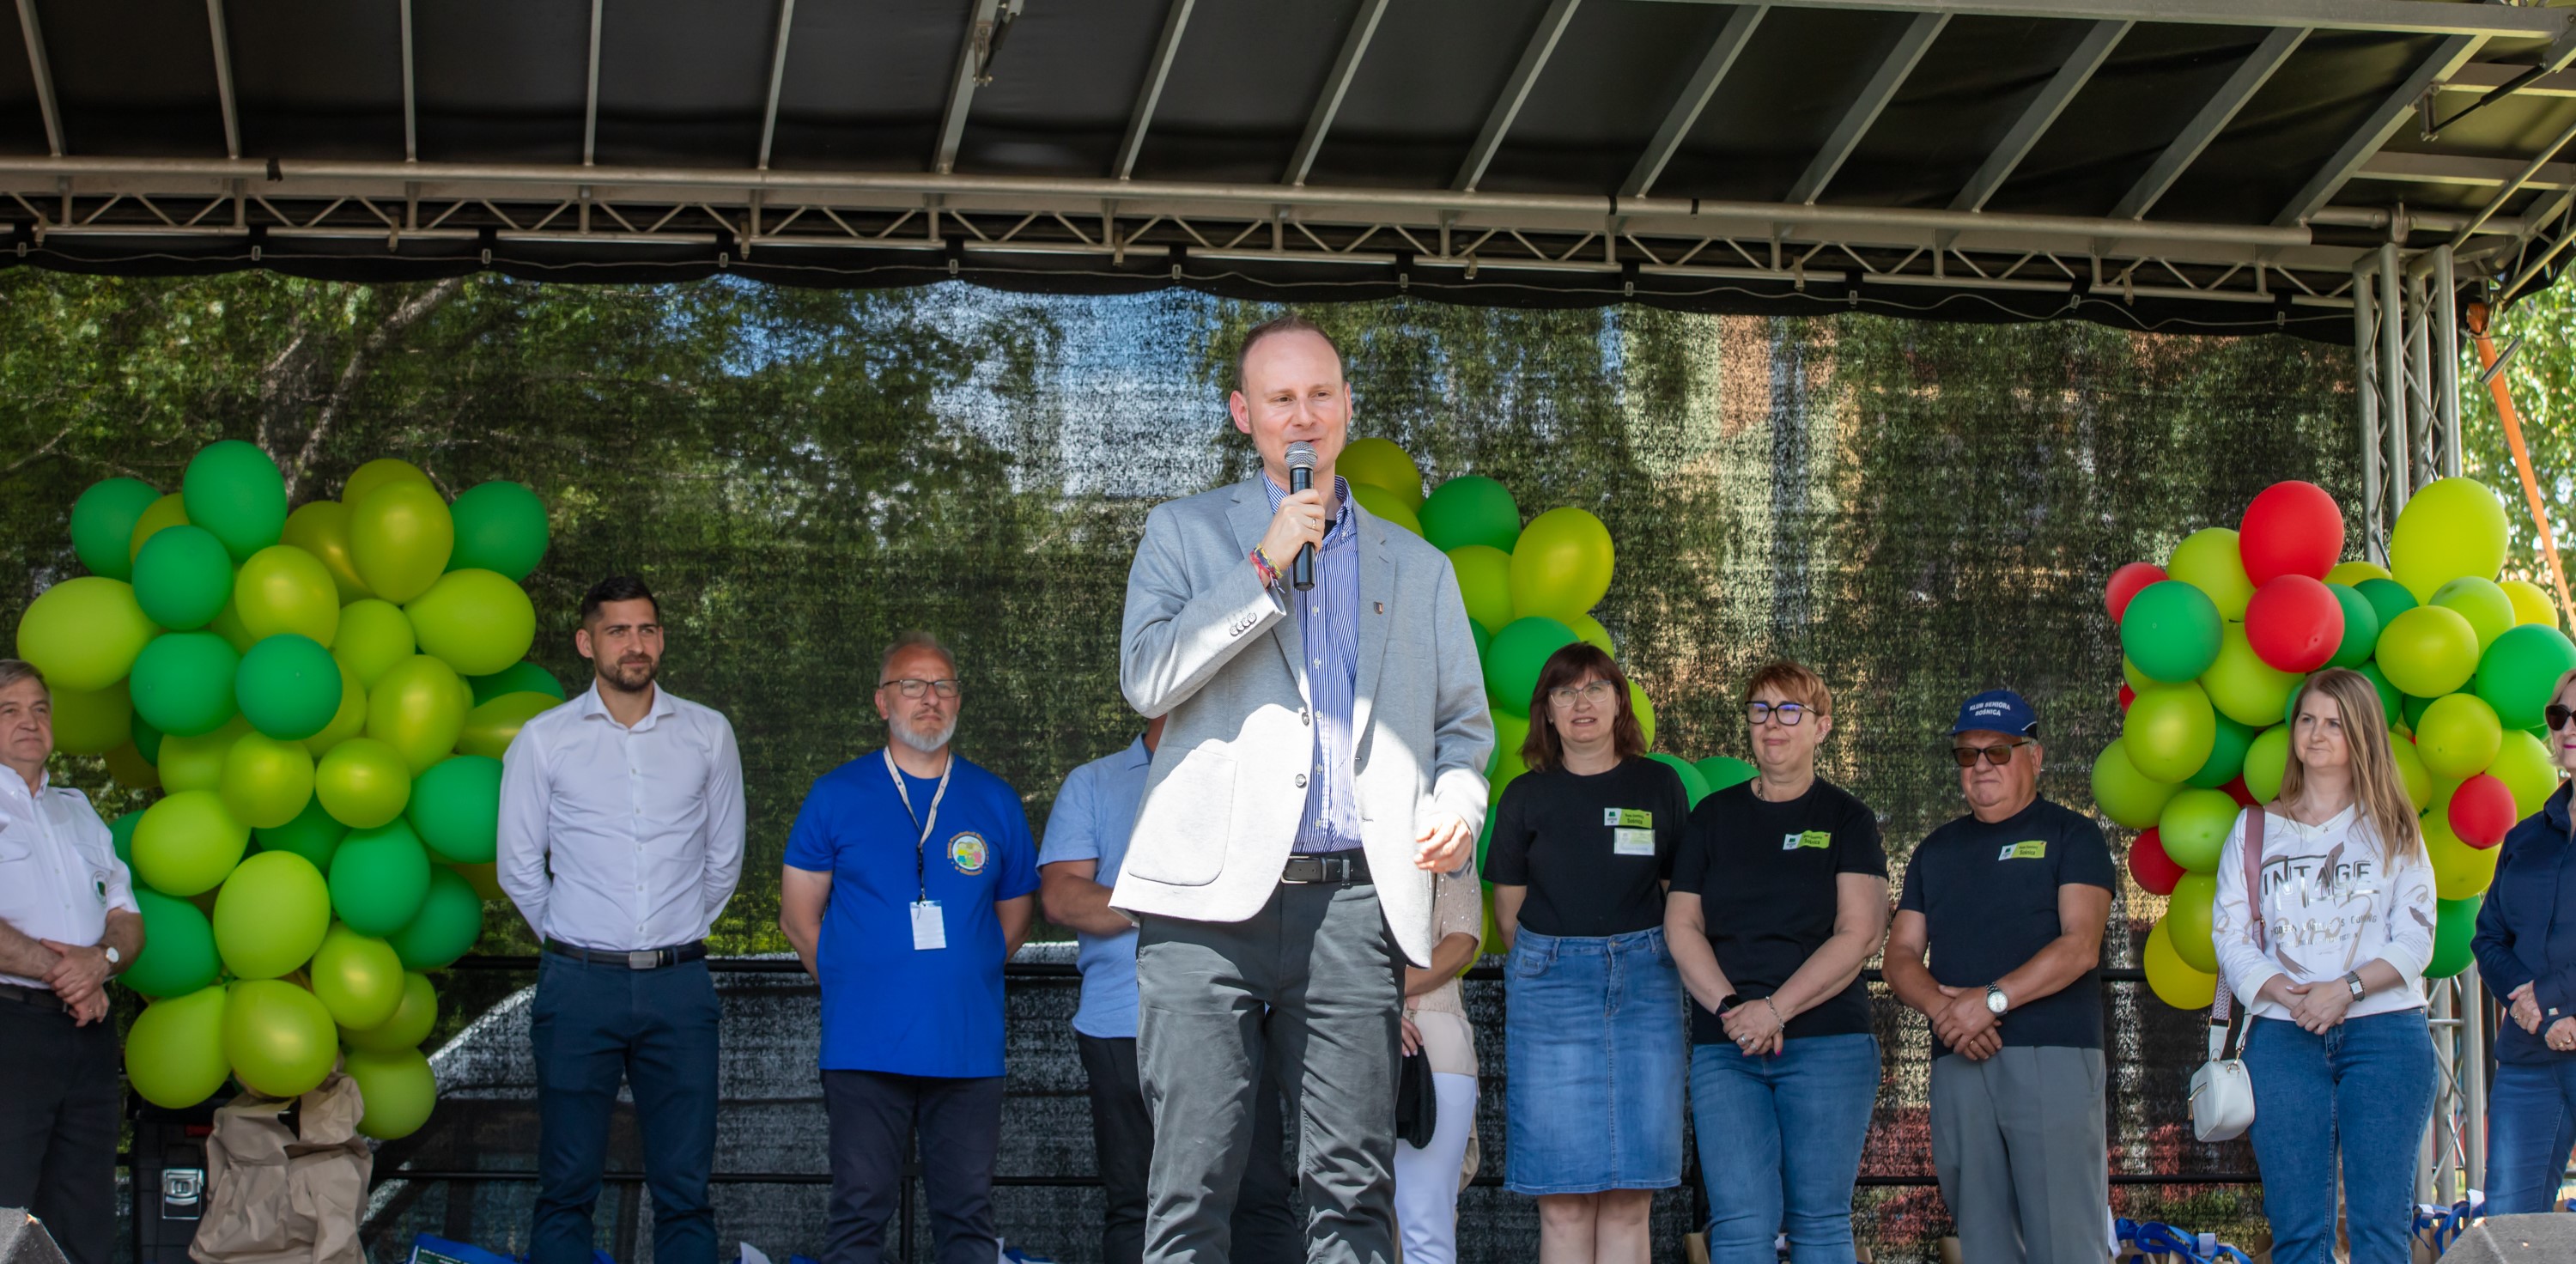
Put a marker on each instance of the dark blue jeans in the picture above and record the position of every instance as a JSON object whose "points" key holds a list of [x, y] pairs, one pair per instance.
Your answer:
{"points": [[1779, 1145], [656, 1029], [2531, 1125], [2364, 1089]]}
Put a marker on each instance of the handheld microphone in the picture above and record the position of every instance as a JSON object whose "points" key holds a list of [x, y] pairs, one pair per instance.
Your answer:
{"points": [[1301, 477]]}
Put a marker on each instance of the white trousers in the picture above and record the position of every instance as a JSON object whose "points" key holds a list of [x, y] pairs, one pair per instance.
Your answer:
{"points": [[1426, 1180]]}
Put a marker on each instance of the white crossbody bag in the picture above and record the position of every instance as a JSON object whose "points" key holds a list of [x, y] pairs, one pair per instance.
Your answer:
{"points": [[2222, 1091]]}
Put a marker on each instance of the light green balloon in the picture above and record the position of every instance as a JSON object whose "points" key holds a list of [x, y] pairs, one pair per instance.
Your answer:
{"points": [[2126, 795], [284, 589], [418, 707], [271, 915], [1386, 504], [197, 762], [362, 783], [1484, 583], [187, 843], [84, 633], [2522, 763], [357, 978], [2458, 736], [2482, 602], [2169, 731], [2267, 760], [2194, 828], [476, 621], [412, 1021], [2428, 651], [92, 721], [400, 536], [174, 1053], [2208, 560], [278, 1037], [374, 635], [2188, 919], [1561, 564], [267, 782], [399, 1091], [491, 727]]}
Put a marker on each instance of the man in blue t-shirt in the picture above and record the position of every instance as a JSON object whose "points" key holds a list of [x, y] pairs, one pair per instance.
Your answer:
{"points": [[908, 883], [2009, 902], [1086, 838]]}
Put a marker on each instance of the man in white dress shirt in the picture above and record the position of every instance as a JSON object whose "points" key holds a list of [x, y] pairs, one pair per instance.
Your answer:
{"points": [[621, 839], [68, 923]]}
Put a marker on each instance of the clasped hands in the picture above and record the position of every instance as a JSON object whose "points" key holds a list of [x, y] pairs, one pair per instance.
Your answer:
{"points": [[2316, 1007], [79, 979], [1965, 1024], [2525, 1012]]}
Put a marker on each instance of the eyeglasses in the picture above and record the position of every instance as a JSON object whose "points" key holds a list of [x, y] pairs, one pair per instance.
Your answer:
{"points": [[2559, 716], [911, 688], [1997, 755], [1595, 692], [1789, 714]]}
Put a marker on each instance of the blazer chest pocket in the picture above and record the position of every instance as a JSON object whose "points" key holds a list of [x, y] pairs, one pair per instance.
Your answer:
{"points": [[1186, 822]]}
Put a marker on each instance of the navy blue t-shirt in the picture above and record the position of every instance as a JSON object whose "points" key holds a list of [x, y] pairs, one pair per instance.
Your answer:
{"points": [[1988, 894], [888, 1007]]}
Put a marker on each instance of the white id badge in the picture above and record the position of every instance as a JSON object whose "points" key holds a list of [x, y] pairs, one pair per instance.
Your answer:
{"points": [[1632, 842], [929, 931]]}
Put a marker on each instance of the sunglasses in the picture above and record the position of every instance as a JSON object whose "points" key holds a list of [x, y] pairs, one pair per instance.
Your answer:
{"points": [[1966, 756], [2559, 716]]}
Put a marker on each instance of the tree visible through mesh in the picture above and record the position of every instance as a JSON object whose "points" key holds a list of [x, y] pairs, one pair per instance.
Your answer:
{"points": [[1918, 511]]}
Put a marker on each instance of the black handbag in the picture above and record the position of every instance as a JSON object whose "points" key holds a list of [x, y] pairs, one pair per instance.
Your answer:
{"points": [[1417, 1105]]}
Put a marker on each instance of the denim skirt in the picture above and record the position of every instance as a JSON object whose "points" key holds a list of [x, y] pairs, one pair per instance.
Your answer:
{"points": [[1595, 1060]]}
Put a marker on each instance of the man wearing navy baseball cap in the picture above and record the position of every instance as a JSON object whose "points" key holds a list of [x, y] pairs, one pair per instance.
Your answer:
{"points": [[2009, 902]]}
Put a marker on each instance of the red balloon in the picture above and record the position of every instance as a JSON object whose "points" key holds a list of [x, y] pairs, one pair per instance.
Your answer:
{"points": [[2148, 863], [2125, 583], [2236, 790], [2294, 623], [2127, 696], [2481, 811], [2292, 528]]}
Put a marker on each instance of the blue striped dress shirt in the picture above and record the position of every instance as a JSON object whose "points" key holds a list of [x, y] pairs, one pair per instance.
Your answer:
{"points": [[1328, 623]]}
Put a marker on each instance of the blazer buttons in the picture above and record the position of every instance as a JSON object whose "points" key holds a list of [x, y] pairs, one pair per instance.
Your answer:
{"points": [[1301, 781]]}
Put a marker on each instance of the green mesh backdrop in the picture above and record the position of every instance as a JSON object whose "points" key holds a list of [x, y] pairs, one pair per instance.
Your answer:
{"points": [[1917, 510]]}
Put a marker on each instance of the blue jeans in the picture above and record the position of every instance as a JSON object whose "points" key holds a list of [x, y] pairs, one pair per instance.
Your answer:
{"points": [[1779, 1145], [592, 1025], [2364, 1088], [2531, 1125]]}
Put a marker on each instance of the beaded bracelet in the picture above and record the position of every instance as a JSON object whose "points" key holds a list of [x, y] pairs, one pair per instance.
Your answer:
{"points": [[1269, 573]]}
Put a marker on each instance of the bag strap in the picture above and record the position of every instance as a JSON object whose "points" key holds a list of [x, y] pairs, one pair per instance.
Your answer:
{"points": [[2220, 1011]]}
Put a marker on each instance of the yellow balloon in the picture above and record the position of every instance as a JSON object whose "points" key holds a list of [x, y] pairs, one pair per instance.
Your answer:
{"points": [[489, 728], [2207, 560], [2350, 573], [284, 589], [382, 472], [2171, 978], [2242, 686], [267, 782], [401, 536], [197, 763], [168, 511], [92, 721], [417, 708], [348, 722], [322, 529], [2531, 603], [2459, 870], [2451, 529]]}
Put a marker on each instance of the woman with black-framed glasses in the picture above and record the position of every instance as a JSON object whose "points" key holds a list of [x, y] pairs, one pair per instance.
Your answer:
{"points": [[2526, 950], [1779, 897]]}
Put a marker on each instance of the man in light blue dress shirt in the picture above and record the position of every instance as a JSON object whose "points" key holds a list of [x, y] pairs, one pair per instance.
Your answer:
{"points": [[1086, 838]]}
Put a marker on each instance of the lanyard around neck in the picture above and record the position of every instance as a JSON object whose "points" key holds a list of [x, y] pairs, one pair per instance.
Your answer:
{"points": [[919, 878]]}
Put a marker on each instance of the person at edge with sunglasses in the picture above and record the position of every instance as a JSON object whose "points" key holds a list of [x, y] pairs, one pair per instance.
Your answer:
{"points": [[2009, 904], [2526, 950], [910, 878], [1779, 897]]}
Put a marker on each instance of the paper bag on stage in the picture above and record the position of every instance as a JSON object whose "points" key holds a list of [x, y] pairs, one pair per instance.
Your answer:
{"points": [[286, 1180]]}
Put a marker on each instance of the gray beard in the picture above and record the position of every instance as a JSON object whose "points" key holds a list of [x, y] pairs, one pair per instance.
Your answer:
{"points": [[926, 743]]}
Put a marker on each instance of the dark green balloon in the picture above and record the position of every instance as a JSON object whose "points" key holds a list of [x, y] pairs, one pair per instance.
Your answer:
{"points": [[449, 921], [500, 526], [2171, 631], [312, 835], [121, 833], [178, 954], [2226, 754], [519, 677], [1471, 509], [103, 524], [233, 490], [1484, 639], [1694, 785], [2388, 597], [456, 808], [183, 577], [1725, 771], [2388, 695], [183, 683], [2413, 708], [2520, 670], [2455, 924], [379, 877], [147, 740], [1519, 653], [2360, 627], [289, 686]]}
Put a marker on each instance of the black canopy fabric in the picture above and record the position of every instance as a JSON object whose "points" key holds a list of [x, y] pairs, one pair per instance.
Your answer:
{"points": [[2161, 164]]}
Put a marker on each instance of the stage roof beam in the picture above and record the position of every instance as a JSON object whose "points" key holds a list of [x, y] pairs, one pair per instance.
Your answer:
{"points": [[1516, 90], [1685, 113], [1865, 108], [1150, 93], [777, 79], [590, 98], [1336, 84], [42, 70], [974, 57], [2213, 118], [2087, 57], [2463, 170], [223, 46], [2411, 17], [411, 98], [2385, 118]]}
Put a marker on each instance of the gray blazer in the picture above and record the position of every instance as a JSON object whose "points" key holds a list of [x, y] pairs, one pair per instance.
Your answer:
{"points": [[1211, 648]]}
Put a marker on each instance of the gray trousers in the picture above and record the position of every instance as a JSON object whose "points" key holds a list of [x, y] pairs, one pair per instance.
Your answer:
{"points": [[2018, 1143], [1310, 988]]}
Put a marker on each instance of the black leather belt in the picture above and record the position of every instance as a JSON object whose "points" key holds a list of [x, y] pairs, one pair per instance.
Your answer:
{"points": [[38, 997], [1338, 867], [640, 959]]}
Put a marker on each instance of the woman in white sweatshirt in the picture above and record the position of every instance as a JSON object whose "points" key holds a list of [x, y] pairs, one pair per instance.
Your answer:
{"points": [[2329, 959]]}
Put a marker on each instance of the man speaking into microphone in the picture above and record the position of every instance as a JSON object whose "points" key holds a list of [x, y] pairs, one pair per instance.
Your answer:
{"points": [[1322, 757]]}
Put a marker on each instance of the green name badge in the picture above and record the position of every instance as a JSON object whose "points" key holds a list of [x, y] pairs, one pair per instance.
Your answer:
{"points": [[1627, 818], [2030, 849], [1811, 838]]}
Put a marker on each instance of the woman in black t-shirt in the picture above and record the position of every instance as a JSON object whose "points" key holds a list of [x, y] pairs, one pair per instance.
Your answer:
{"points": [[1779, 896], [1592, 1028]]}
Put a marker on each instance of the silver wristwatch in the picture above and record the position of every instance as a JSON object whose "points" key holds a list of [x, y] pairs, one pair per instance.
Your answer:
{"points": [[2352, 980], [113, 958], [1996, 1001]]}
